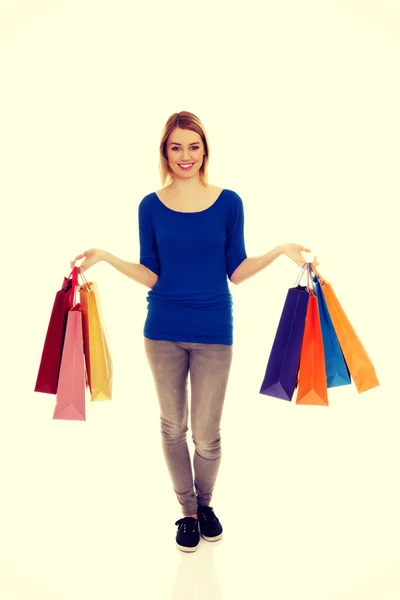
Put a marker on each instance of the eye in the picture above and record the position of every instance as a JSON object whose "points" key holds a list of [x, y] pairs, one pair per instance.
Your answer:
{"points": [[177, 148]]}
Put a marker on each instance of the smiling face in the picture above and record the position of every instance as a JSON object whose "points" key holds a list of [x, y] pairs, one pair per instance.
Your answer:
{"points": [[185, 151]]}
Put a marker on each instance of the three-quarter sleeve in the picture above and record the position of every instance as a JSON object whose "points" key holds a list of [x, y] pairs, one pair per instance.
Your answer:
{"points": [[148, 246], [235, 244]]}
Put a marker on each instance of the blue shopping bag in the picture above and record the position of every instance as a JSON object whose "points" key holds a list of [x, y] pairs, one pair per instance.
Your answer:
{"points": [[337, 372]]}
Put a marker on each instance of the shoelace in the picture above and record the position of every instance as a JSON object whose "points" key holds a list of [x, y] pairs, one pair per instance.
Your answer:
{"points": [[186, 524], [207, 515]]}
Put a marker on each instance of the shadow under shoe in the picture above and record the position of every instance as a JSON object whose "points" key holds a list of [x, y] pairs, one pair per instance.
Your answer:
{"points": [[188, 534]]}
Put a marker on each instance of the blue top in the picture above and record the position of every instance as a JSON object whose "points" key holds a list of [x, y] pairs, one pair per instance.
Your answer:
{"points": [[193, 254]]}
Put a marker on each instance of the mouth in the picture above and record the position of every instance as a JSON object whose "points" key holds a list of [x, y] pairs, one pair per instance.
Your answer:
{"points": [[186, 167]]}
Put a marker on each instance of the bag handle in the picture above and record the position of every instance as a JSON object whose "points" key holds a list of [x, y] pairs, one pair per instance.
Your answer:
{"points": [[317, 274], [309, 278], [85, 282], [305, 267], [74, 287], [300, 275]]}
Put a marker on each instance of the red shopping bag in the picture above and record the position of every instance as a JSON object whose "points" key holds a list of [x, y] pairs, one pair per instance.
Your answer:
{"points": [[312, 374], [71, 385], [49, 369]]}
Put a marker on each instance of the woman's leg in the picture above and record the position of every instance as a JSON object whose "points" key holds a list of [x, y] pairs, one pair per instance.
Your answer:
{"points": [[169, 363], [209, 372]]}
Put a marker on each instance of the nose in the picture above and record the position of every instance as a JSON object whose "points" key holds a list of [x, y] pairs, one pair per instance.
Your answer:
{"points": [[186, 154]]}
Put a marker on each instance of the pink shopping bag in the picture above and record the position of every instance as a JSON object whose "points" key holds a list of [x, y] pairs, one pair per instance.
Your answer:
{"points": [[71, 391]]}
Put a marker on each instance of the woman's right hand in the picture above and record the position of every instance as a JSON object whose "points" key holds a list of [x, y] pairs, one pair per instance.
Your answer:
{"points": [[92, 256]]}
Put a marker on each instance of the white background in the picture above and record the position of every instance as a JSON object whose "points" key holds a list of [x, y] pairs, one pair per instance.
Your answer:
{"points": [[301, 104]]}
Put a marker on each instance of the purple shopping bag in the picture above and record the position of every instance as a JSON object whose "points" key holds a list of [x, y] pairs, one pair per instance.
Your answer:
{"points": [[280, 378]]}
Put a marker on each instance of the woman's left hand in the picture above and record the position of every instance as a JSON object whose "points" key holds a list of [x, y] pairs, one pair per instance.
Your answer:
{"points": [[294, 251]]}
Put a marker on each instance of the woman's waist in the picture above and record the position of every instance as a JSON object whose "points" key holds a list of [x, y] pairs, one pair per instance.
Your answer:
{"points": [[196, 299]]}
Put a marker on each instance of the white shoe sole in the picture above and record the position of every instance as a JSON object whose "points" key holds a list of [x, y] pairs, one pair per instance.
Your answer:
{"points": [[212, 539], [188, 548]]}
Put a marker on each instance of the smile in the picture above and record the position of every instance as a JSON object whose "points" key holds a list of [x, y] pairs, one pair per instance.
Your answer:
{"points": [[186, 167]]}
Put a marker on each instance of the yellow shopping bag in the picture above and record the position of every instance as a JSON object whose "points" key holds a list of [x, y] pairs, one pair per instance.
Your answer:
{"points": [[98, 360]]}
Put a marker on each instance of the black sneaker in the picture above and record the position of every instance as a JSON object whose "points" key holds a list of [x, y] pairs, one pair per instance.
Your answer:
{"points": [[210, 527], [188, 534]]}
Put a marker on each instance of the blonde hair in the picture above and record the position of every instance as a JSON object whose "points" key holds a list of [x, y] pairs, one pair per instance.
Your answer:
{"points": [[182, 120]]}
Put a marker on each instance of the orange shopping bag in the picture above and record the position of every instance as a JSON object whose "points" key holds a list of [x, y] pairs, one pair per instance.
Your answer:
{"points": [[360, 366], [312, 385]]}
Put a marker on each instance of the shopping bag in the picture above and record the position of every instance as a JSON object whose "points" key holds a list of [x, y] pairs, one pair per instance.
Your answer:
{"points": [[337, 372], [98, 360], [282, 368], [49, 369], [359, 363], [70, 403], [312, 387]]}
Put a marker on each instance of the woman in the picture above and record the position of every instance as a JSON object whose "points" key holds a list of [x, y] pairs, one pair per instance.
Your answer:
{"points": [[191, 240]]}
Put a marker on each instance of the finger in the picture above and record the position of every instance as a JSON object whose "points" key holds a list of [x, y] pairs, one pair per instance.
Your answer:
{"points": [[77, 258]]}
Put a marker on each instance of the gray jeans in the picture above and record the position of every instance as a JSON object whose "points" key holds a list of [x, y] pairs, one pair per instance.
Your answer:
{"points": [[209, 367]]}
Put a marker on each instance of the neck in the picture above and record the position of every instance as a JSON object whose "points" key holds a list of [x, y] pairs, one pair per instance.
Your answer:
{"points": [[187, 187]]}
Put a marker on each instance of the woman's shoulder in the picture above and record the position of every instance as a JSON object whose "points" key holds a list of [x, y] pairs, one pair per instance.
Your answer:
{"points": [[147, 200], [234, 198]]}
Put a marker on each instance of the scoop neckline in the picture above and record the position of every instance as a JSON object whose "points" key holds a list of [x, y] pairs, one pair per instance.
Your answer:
{"points": [[185, 212]]}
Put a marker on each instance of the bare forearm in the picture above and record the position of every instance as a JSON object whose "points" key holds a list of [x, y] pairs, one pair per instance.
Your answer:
{"points": [[135, 271], [253, 265]]}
